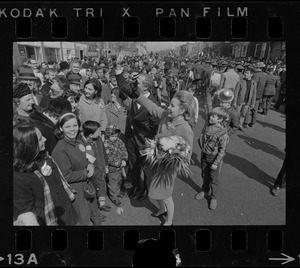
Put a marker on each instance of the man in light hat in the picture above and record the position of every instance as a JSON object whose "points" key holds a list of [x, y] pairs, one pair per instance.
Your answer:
{"points": [[226, 97]]}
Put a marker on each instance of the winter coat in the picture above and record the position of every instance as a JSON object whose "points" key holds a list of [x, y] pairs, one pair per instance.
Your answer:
{"points": [[116, 116], [46, 126], [230, 79], [213, 141], [90, 110], [240, 92], [272, 81], [260, 78], [28, 195], [73, 163], [141, 123]]}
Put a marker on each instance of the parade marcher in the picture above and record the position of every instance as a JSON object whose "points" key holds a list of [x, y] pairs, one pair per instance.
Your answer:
{"points": [[173, 121], [230, 78], [39, 186], [23, 102], [69, 154], [240, 70], [197, 69], [58, 89], [64, 68], [260, 78], [117, 157], [95, 152], [46, 120], [140, 125], [282, 89], [90, 110], [245, 97], [272, 81], [213, 142], [50, 74], [226, 97]]}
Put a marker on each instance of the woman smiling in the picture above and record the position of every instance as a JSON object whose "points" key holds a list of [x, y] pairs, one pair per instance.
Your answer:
{"points": [[89, 109], [70, 155]]}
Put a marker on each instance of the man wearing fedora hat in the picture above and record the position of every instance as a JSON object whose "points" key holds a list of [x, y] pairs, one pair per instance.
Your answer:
{"points": [[26, 76]]}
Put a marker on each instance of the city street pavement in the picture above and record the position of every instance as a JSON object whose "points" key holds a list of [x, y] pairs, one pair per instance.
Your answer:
{"points": [[252, 162]]}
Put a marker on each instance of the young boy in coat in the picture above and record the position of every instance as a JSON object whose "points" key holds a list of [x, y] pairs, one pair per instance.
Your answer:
{"points": [[95, 153], [117, 156], [212, 141]]}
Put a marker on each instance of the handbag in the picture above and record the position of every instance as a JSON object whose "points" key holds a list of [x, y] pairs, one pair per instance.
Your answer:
{"points": [[89, 190]]}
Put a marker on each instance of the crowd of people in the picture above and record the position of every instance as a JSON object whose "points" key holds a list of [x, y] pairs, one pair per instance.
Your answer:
{"points": [[79, 127]]}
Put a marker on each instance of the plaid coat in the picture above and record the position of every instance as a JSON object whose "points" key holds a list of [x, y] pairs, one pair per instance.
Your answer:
{"points": [[213, 141]]}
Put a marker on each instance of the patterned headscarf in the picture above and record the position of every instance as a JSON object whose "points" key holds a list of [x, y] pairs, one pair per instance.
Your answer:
{"points": [[21, 90]]}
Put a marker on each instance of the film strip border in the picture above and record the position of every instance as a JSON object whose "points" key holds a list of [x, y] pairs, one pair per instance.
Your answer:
{"points": [[135, 21], [194, 245]]}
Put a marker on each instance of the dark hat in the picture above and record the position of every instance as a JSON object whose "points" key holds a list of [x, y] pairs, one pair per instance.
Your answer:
{"points": [[111, 130], [112, 73], [27, 74], [85, 66], [51, 62], [74, 79], [224, 63], [21, 90], [240, 67], [226, 95], [220, 111], [64, 65]]}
